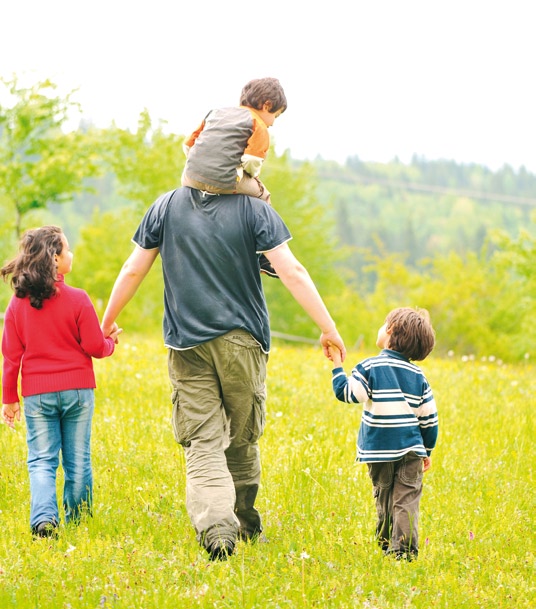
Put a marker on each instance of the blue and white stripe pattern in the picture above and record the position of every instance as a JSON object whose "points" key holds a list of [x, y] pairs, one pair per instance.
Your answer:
{"points": [[399, 411]]}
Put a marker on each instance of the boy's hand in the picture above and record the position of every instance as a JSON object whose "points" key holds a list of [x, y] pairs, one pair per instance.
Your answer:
{"points": [[426, 464], [335, 355]]}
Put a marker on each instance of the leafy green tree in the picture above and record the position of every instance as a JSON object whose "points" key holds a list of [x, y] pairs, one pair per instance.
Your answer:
{"points": [[147, 162], [516, 257], [473, 303], [39, 163], [102, 248], [480, 305], [7, 250], [293, 195], [393, 284]]}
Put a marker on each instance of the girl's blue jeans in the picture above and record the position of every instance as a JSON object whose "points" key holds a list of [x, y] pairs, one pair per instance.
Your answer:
{"points": [[59, 422]]}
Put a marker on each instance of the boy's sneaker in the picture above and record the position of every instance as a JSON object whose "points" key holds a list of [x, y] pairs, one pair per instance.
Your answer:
{"points": [[266, 267], [220, 549], [407, 556]]}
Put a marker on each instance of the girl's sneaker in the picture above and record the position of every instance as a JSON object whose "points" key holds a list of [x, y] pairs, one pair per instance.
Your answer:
{"points": [[45, 529]]}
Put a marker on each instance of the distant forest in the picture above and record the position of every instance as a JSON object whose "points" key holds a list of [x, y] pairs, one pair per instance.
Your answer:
{"points": [[423, 208]]}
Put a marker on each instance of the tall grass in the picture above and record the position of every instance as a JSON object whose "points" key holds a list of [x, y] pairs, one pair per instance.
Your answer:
{"points": [[139, 550]]}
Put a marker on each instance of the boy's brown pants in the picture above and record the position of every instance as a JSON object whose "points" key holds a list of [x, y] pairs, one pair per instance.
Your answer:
{"points": [[397, 492]]}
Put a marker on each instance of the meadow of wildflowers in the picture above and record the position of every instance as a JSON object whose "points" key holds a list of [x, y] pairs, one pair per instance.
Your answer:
{"points": [[139, 550]]}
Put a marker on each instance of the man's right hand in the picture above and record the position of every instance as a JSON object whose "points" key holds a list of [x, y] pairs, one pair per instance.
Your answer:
{"points": [[333, 339]]}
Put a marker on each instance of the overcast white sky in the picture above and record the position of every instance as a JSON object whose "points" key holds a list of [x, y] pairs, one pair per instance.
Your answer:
{"points": [[378, 78]]}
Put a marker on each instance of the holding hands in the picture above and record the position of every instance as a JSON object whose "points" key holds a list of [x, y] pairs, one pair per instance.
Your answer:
{"points": [[335, 355], [112, 332], [332, 342]]}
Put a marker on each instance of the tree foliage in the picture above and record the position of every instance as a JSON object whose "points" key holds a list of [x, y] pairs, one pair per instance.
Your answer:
{"points": [[39, 163], [104, 245], [146, 162], [293, 196]]}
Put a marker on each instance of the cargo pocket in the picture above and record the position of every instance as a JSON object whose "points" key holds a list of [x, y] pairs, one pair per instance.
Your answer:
{"points": [[178, 421], [257, 419]]}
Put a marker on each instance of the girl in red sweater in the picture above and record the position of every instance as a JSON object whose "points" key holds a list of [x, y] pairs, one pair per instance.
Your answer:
{"points": [[51, 333]]}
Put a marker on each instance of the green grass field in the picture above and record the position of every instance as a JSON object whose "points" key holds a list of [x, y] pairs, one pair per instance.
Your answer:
{"points": [[477, 524]]}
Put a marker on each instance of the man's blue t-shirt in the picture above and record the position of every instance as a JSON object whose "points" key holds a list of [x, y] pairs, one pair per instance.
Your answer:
{"points": [[209, 246]]}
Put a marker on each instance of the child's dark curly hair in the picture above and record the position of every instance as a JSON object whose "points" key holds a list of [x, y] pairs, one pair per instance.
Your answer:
{"points": [[34, 271]]}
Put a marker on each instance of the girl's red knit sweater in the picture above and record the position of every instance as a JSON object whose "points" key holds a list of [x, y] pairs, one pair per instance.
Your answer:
{"points": [[51, 347]]}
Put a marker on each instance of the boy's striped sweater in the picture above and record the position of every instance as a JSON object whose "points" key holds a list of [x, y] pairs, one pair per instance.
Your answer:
{"points": [[399, 411]]}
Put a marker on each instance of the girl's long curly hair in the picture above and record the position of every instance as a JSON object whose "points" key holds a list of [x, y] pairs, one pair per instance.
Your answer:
{"points": [[34, 271]]}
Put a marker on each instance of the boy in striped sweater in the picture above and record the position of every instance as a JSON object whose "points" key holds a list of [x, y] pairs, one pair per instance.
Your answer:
{"points": [[399, 423]]}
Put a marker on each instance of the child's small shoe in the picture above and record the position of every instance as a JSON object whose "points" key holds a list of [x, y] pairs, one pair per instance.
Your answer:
{"points": [[266, 267], [407, 556], [45, 529]]}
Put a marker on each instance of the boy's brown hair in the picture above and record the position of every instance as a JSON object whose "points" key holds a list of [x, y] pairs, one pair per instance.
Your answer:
{"points": [[262, 91], [410, 332]]}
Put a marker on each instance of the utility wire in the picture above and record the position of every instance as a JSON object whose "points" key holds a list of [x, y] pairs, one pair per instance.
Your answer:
{"points": [[443, 190]]}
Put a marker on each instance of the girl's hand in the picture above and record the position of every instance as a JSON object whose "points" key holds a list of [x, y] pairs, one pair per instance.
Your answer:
{"points": [[11, 413], [115, 333]]}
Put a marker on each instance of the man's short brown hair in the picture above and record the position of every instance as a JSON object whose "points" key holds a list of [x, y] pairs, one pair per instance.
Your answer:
{"points": [[410, 332], [261, 91]]}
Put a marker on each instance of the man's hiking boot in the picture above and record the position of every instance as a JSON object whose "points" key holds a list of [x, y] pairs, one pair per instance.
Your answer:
{"points": [[220, 549]]}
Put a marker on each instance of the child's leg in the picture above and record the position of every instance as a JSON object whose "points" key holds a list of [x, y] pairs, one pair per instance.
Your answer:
{"points": [[407, 493], [44, 442], [253, 187], [77, 415], [382, 476], [191, 183]]}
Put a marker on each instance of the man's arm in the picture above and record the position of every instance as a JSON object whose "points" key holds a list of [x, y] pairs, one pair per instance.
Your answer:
{"points": [[299, 283], [129, 279]]}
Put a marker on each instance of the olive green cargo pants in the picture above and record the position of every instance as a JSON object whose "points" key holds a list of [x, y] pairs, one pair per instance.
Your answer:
{"points": [[218, 417]]}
